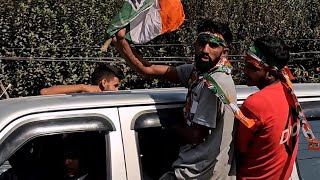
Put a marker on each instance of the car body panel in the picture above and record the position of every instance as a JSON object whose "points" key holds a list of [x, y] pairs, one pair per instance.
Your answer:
{"points": [[15, 107], [116, 153], [123, 110]]}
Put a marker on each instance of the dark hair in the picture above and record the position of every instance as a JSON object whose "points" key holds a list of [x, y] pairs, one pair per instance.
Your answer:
{"points": [[274, 49], [76, 146], [105, 71], [208, 25]]}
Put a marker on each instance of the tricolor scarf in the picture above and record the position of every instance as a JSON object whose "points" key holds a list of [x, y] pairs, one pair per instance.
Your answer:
{"points": [[196, 78], [223, 65], [256, 58]]}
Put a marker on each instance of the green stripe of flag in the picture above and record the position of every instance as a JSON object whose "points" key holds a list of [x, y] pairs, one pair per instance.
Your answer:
{"points": [[130, 10]]}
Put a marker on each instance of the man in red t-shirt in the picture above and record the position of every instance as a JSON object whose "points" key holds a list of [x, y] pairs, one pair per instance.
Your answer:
{"points": [[269, 148]]}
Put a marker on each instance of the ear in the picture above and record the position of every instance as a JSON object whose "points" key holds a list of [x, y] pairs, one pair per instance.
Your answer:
{"points": [[102, 84], [225, 52], [272, 74]]}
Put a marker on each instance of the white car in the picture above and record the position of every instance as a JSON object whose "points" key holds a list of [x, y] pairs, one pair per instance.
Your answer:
{"points": [[128, 135]]}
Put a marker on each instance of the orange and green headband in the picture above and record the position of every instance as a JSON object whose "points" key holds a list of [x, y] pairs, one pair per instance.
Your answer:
{"points": [[257, 58], [211, 38]]}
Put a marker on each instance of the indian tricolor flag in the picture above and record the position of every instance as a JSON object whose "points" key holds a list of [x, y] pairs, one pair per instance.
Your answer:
{"points": [[147, 19]]}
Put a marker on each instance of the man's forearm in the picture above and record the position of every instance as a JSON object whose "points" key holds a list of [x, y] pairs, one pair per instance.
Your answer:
{"points": [[142, 66], [131, 58], [62, 89]]}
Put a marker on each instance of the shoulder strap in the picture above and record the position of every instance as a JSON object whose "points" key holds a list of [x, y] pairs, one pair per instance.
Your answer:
{"points": [[217, 90], [313, 142]]}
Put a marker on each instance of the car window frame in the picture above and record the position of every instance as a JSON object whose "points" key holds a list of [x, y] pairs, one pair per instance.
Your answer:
{"points": [[154, 118], [15, 138]]}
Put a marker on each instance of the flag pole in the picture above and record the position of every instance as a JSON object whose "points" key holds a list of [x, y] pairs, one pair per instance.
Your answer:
{"points": [[106, 44]]}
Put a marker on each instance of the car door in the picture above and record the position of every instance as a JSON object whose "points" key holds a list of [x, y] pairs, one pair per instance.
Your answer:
{"points": [[149, 144], [42, 134]]}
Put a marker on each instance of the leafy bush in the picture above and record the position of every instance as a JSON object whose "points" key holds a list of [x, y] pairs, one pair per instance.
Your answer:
{"points": [[35, 32]]}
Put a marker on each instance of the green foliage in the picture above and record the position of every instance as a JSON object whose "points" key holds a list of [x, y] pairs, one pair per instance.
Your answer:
{"points": [[73, 31]]}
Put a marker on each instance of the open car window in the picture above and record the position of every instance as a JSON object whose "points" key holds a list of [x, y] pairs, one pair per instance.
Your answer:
{"points": [[158, 142], [309, 161]]}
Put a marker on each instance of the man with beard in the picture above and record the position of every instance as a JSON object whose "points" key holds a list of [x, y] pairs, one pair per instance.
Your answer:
{"points": [[269, 148], [208, 152]]}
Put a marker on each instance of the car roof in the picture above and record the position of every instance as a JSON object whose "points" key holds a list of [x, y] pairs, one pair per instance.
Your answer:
{"points": [[16, 107]]}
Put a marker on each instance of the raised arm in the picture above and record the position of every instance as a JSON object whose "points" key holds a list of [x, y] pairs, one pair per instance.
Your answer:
{"points": [[64, 89], [142, 66]]}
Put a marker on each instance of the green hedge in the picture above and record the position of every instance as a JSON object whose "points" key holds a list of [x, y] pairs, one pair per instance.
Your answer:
{"points": [[71, 33]]}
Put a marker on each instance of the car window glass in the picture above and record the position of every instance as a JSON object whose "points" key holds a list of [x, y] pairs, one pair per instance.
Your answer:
{"points": [[309, 161], [159, 146], [60, 156]]}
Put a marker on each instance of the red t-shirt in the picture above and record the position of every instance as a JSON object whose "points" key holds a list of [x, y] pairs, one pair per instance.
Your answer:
{"points": [[263, 150]]}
